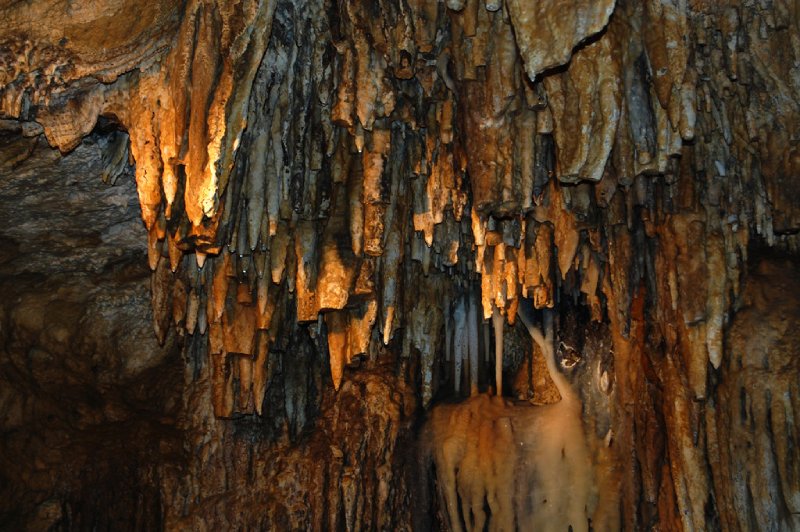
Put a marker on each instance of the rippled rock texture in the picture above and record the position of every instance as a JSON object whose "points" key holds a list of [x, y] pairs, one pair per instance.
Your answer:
{"points": [[343, 204]]}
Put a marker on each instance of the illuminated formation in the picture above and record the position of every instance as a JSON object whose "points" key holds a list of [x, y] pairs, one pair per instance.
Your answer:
{"points": [[523, 466], [347, 201]]}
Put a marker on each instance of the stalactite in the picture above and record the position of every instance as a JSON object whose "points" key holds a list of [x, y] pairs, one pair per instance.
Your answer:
{"points": [[359, 172], [497, 321], [472, 340], [483, 450]]}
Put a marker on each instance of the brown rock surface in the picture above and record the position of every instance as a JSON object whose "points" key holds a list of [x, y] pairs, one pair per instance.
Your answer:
{"points": [[336, 198], [88, 399]]}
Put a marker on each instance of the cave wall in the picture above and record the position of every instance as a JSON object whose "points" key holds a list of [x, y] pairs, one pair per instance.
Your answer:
{"points": [[338, 195], [88, 398]]}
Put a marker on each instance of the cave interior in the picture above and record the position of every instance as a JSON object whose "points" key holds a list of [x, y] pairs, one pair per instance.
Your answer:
{"points": [[400, 265]]}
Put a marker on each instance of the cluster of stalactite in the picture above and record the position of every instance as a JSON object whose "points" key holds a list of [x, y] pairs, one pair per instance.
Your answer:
{"points": [[395, 173]]}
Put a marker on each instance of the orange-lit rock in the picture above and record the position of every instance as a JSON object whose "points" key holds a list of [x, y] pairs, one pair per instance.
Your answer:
{"points": [[338, 198]]}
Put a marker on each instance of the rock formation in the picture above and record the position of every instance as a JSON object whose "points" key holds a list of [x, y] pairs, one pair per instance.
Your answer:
{"points": [[531, 467], [343, 204]]}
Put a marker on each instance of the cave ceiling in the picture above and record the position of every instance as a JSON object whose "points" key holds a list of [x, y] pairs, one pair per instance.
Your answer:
{"points": [[395, 176]]}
